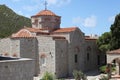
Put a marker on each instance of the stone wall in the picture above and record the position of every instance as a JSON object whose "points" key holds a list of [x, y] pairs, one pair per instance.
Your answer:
{"points": [[46, 49], [15, 47], [21, 47], [10, 47], [29, 49], [22, 69], [61, 57], [76, 52], [46, 22], [76, 45], [93, 58]]}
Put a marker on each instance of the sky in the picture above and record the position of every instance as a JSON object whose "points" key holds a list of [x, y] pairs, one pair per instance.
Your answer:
{"points": [[91, 16]]}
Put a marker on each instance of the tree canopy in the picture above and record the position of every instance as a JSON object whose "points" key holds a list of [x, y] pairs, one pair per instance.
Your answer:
{"points": [[115, 33], [104, 41], [110, 40]]}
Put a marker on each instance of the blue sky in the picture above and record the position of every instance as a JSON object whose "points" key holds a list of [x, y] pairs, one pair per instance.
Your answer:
{"points": [[91, 16]]}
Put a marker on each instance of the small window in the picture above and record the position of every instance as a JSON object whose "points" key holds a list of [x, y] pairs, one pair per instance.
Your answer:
{"points": [[98, 60], [43, 61], [88, 56], [76, 58]]}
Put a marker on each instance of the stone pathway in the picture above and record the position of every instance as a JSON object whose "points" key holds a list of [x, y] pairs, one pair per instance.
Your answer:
{"points": [[93, 75]]}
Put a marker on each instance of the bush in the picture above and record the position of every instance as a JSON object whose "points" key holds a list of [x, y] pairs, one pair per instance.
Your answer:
{"points": [[78, 75], [103, 68], [48, 76]]}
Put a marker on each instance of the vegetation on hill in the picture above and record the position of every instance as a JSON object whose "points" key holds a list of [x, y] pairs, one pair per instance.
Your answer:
{"points": [[110, 40], [10, 22]]}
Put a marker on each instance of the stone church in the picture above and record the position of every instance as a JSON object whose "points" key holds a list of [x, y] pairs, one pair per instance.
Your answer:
{"points": [[54, 49]]}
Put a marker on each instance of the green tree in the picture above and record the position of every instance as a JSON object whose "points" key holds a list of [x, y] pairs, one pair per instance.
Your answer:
{"points": [[115, 33], [110, 40], [104, 41]]}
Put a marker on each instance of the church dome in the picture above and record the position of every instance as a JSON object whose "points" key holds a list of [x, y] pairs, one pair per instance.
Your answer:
{"points": [[45, 13]]}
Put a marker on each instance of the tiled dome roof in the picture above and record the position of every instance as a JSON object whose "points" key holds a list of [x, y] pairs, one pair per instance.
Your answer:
{"points": [[45, 13]]}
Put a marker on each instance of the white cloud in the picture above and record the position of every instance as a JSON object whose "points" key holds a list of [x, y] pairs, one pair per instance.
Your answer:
{"points": [[90, 21], [111, 19]]}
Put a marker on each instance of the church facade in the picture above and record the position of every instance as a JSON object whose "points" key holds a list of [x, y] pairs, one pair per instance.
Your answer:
{"points": [[54, 49]]}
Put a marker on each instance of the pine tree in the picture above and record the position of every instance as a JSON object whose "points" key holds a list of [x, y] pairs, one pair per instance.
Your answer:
{"points": [[115, 33]]}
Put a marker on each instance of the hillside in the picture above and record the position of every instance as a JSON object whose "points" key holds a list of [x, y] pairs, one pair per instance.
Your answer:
{"points": [[10, 22]]}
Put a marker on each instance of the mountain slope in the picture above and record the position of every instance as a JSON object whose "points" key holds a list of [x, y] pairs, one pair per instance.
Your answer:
{"points": [[10, 22]]}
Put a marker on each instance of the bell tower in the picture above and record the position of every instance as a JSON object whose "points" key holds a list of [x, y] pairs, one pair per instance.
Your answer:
{"points": [[46, 20]]}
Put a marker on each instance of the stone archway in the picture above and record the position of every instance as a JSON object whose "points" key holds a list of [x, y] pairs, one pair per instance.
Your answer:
{"points": [[114, 56], [116, 61]]}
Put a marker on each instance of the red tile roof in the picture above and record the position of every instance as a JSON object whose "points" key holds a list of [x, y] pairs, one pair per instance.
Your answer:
{"points": [[90, 38], [33, 29], [45, 13], [65, 30], [27, 32], [22, 33], [117, 51]]}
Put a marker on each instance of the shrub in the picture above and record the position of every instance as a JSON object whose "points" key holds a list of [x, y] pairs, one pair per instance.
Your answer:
{"points": [[103, 68], [78, 75], [48, 76]]}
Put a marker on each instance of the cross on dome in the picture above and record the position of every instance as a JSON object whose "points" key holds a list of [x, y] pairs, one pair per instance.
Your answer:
{"points": [[45, 5]]}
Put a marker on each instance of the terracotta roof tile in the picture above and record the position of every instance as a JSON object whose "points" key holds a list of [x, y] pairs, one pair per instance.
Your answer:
{"points": [[90, 38], [65, 30], [27, 32], [45, 13], [117, 51], [22, 33], [33, 29]]}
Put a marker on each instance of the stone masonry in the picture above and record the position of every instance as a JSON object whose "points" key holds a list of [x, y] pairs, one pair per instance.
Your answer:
{"points": [[19, 69]]}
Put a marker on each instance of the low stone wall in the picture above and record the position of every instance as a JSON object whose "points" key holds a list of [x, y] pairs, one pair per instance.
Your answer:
{"points": [[20, 69]]}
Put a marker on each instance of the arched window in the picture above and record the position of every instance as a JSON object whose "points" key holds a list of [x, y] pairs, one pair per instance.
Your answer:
{"points": [[43, 60], [88, 53]]}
